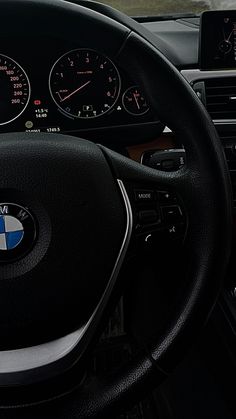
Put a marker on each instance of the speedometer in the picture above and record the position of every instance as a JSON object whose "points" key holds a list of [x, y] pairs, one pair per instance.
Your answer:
{"points": [[14, 90], [84, 83]]}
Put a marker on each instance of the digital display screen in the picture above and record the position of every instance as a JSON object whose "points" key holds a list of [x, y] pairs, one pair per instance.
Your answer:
{"points": [[217, 48]]}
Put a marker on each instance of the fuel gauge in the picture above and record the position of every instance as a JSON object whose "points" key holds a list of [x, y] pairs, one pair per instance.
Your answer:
{"points": [[134, 101]]}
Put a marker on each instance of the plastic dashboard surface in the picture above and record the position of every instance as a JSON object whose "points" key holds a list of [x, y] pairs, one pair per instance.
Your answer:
{"points": [[178, 40]]}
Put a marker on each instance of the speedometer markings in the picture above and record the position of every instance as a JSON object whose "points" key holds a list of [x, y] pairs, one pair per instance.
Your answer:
{"points": [[88, 88], [15, 90]]}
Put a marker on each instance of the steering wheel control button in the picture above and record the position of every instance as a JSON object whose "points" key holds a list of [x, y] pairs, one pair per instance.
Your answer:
{"points": [[149, 217], [17, 231], [172, 214], [144, 195], [159, 216], [165, 197], [176, 231]]}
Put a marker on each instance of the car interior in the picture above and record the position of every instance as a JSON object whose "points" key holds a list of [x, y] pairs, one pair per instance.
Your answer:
{"points": [[117, 203]]}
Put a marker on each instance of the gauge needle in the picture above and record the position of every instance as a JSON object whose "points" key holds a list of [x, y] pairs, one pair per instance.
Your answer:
{"points": [[227, 39], [229, 36], [75, 91], [136, 100]]}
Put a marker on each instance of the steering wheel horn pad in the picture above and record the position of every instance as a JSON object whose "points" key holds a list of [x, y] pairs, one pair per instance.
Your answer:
{"points": [[54, 291]]}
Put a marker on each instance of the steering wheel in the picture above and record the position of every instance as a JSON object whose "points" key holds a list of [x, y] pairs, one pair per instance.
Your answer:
{"points": [[74, 202]]}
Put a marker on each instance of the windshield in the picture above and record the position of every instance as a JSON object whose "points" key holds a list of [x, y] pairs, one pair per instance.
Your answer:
{"points": [[168, 7]]}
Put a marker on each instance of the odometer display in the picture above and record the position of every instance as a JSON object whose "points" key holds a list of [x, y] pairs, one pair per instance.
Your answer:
{"points": [[14, 90], [84, 83]]}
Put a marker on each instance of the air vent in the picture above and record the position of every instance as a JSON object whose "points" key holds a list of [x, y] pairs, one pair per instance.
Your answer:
{"points": [[220, 97]]}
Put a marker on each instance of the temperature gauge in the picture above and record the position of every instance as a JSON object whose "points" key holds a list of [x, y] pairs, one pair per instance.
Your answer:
{"points": [[134, 101]]}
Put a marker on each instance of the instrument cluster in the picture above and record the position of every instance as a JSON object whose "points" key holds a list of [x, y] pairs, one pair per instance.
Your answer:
{"points": [[54, 88]]}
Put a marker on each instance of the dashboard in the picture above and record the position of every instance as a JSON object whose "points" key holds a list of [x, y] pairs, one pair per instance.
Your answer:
{"points": [[50, 85]]}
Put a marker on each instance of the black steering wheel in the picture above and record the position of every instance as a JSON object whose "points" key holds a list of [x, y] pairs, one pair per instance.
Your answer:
{"points": [[75, 203]]}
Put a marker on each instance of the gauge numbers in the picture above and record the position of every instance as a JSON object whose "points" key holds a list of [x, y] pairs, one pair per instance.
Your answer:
{"points": [[14, 90], [84, 84]]}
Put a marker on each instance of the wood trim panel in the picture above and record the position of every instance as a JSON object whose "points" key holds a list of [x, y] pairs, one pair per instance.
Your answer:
{"points": [[164, 142]]}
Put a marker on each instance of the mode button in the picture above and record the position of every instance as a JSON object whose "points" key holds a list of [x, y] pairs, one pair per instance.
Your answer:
{"points": [[143, 195]]}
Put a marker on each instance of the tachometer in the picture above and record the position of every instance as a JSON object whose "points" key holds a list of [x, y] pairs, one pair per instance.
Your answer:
{"points": [[84, 83], [14, 90]]}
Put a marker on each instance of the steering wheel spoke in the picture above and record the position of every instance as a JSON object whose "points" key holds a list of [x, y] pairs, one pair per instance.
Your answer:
{"points": [[156, 199]]}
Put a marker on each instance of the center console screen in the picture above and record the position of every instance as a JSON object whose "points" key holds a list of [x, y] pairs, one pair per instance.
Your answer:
{"points": [[217, 47]]}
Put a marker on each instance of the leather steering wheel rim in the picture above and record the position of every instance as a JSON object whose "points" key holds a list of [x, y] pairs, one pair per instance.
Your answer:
{"points": [[204, 186]]}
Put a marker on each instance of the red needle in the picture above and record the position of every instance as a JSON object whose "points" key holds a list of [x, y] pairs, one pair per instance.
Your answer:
{"points": [[75, 91], [136, 100]]}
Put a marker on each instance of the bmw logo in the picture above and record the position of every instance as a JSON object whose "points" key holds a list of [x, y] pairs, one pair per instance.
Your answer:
{"points": [[17, 231]]}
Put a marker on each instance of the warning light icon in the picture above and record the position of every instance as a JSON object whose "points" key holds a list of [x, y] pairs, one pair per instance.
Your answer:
{"points": [[37, 102]]}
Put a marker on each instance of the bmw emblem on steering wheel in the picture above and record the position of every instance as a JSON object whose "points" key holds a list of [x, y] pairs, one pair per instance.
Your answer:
{"points": [[17, 231]]}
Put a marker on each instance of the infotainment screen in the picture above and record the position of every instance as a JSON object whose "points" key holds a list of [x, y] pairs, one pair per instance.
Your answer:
{"points": [[217, 47]]}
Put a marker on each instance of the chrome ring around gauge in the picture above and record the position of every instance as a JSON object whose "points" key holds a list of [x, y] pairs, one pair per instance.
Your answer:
{"points": [[84, 83], [14, 90]]}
